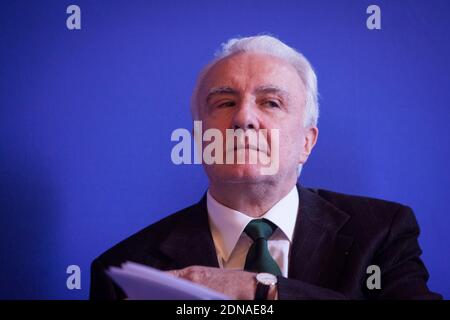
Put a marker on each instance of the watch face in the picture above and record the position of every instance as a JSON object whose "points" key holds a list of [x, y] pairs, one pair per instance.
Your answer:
{"points": [[266, 279]]}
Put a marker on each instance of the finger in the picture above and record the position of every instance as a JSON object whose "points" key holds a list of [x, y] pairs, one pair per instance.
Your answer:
{"points": [[175, 273]]}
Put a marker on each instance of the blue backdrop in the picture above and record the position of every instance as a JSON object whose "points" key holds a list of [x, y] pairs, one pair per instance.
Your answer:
{"points": [[86, 117]]}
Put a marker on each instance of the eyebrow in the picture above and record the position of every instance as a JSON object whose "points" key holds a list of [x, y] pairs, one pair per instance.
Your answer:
{"points": [[272, 89], [259, 90], [221, 90]]}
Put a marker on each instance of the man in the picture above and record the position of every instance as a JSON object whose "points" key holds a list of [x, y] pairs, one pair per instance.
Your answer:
{"points": [[256, 236]]}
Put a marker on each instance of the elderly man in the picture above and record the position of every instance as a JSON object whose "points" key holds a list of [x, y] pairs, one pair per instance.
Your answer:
{"points": [[256, 236]]}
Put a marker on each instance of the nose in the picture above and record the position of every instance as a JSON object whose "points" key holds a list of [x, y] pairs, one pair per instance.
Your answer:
{"points": [[245, 116]]}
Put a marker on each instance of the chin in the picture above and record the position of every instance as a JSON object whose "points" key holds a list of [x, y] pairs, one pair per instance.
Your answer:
{"points": [[236, 173]]}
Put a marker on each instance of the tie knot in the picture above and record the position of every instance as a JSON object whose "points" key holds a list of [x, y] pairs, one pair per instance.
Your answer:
{"points": [[260, 228]]}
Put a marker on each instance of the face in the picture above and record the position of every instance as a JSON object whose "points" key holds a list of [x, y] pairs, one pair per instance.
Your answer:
{"points": [[252, 92]]}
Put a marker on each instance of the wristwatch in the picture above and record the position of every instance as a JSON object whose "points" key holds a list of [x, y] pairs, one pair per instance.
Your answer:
{"points": [[263, 283]]}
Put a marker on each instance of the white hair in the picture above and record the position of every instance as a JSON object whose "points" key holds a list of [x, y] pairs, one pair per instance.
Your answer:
{"points": [[265, 44]]}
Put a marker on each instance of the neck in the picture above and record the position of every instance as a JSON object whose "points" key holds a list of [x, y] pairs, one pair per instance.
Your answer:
{"points": [[252, 199]]}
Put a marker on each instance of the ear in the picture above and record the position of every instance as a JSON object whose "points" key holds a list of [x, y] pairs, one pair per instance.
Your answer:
{"points": [[310, 139]]}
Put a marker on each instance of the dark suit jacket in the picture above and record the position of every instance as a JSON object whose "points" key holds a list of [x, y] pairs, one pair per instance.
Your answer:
{"points": [[336, 238]]}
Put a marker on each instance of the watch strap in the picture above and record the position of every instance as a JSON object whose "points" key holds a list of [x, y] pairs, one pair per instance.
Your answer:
{"points": [[261, 291]]}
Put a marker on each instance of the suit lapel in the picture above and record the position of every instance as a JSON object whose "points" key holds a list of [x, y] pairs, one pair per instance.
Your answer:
{"points": [[190, 242], [318, 251]]}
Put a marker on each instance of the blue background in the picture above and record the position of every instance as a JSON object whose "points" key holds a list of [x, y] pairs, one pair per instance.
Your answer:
{"points": [[86, 118]]}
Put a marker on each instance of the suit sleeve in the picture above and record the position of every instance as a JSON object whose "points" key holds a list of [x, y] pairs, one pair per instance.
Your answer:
{"points": [[403, 274], [102, 287], [290, 289]]}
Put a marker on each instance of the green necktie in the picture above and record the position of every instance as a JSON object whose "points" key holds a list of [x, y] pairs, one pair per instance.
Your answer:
{"points": [[258, 256]]}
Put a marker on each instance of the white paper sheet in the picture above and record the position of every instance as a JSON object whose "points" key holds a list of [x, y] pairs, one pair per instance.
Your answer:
{"points": [[141, 282]]}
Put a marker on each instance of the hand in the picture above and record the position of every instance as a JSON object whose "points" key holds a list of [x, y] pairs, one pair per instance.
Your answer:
{"points": [[237, 284]]}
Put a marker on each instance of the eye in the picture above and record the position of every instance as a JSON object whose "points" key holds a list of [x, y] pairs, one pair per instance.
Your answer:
{"points": [[272, 104], [227, 104]]}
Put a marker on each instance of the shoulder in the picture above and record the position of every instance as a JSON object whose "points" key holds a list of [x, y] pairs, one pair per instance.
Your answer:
{"points": [[354, 203], [137, 246], [373, 215]]}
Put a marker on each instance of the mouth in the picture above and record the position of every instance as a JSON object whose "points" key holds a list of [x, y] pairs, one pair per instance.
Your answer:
{"points": [[249, 147]]}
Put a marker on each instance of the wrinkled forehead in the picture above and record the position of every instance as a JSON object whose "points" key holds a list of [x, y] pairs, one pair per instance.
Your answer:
{"points": [[247, 71]]}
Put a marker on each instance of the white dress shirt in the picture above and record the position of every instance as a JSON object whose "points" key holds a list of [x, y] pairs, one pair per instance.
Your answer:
{"points": [[232, 243]]}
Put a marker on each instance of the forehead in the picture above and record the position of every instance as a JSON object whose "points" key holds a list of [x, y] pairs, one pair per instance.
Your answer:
{"points": [[246, 71]]}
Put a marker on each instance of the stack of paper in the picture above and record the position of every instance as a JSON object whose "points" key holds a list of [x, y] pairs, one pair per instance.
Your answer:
{"points": [[141, 282]]}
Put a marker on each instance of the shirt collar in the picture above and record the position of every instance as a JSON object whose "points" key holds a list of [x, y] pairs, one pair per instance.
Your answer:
{"points": [[228, 224]]}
